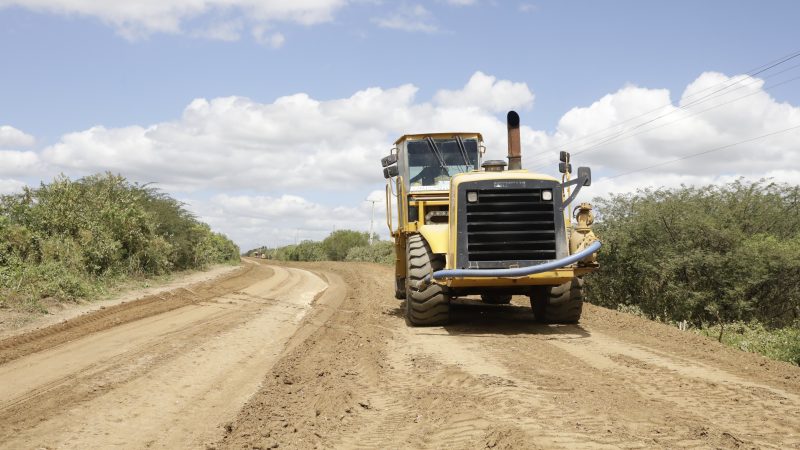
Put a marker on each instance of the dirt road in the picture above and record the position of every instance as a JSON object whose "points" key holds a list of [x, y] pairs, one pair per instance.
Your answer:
{"points": [[318, 355], [164, 371]]}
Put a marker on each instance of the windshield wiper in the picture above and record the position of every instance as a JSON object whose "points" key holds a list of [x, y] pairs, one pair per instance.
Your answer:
{"points": [[463, 150], [436, 152]]}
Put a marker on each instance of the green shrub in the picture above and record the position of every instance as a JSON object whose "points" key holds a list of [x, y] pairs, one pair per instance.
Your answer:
{"points": [[309, 251], [380, 252], [341, 245], [338, 243], [781, 343], [714, 254], [721, 255], [67, 239]]}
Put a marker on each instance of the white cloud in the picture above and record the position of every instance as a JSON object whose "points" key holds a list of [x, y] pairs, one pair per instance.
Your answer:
{"points": [[10, 186], [703, 119], [262, 35], [14, 162], [411, 18], [293, 142], [262, 162], [486, 92], [254, 220], [11, 137], [135, 19], [229, 31]]}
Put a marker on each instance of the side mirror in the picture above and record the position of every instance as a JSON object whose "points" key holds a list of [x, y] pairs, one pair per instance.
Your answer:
{"points": [[585, 172], [390, 172], [389, 160], [564, 167]]}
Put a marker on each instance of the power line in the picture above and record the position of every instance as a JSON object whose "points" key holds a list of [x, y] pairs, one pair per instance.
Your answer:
{"points": [[749, 74], [696, 113], [628, 134], [705, 152], [717, 93]]}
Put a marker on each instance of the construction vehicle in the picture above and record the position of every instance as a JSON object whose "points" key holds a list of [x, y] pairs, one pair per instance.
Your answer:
{"points": [[466, 227]]}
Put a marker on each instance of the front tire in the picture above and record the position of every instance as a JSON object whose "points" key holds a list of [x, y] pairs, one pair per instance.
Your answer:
{"points": [[430, 305], [559, 304]]}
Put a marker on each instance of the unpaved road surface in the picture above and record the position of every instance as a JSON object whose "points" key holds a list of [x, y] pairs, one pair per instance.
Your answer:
{"points": [[164, 371], [318, 355]]}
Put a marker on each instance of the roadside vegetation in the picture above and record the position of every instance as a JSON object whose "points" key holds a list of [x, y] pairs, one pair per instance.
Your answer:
{"points": [[722, 260], [340, 245], [74, 239]]}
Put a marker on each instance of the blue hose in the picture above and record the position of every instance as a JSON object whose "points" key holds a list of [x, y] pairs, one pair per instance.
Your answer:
{"points": [[516, 272]]}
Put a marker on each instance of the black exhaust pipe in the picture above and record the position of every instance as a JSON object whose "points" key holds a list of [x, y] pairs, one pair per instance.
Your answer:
{"points": [[514, 145]]}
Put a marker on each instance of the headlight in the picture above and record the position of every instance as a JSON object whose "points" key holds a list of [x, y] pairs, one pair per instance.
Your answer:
{"points": [[472, 196], [547, 195]]}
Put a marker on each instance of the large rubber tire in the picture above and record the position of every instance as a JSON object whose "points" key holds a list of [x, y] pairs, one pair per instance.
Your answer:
{"points": [[431, 305], [496, 299], [559, 304], [400, 288]]}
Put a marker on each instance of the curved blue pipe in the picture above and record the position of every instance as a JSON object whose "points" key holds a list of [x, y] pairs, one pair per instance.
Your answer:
{"points": [[516, 272]]}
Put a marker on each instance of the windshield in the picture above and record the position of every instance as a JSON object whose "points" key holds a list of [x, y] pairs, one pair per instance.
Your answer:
{"points": [[431, 162]]}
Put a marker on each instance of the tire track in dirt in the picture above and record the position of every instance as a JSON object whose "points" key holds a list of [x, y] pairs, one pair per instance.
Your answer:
{"points": [[165, 380], [496, 379], [45, 338], [700, 392]]}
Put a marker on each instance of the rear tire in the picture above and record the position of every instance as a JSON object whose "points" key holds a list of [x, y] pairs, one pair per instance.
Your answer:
{"points": [[430, 305], [559, 304], [496, 299]]}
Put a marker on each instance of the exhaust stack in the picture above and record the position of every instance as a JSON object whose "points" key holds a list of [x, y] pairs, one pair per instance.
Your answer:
{"points": [[514, 146]]}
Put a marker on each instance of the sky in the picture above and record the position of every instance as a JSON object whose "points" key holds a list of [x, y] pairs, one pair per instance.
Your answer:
{"points": [[268, 118]]}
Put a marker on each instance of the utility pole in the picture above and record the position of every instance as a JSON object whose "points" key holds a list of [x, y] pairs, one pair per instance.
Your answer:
{"points": [[372, 220]]}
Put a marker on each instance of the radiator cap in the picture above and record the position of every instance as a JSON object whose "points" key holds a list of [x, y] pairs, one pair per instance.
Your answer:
{"points": [[494, 165]]}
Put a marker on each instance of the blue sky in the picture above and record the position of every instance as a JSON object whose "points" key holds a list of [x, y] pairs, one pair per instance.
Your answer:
{"points": [[66, 69]]}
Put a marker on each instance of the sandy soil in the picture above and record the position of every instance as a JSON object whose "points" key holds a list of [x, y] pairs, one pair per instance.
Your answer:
{"points": [[18, 322], [496, 379], [166, 371], [317, 355]]}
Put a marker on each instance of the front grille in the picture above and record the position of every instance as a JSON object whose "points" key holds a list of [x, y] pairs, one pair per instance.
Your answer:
{"points": [[510, 225]]}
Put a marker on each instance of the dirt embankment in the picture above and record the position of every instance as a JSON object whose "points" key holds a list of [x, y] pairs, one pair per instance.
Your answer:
{"points": [[319, 355]]}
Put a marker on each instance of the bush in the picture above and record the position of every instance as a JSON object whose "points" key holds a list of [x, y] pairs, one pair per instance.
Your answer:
{"points": [[782, 343], [338, 243], [66, 239], [723, 258], [380, 252], [714, 254], [341, 245], [304, 251]]}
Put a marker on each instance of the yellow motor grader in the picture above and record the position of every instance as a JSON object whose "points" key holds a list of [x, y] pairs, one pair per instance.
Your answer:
{"points": [[467, 227]]}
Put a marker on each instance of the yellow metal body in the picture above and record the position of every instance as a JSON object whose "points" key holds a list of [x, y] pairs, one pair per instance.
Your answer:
{"points": [[442, 237]]}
